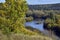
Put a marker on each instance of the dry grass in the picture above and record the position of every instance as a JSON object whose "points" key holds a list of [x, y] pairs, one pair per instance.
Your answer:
{"points": [[23, 37]]}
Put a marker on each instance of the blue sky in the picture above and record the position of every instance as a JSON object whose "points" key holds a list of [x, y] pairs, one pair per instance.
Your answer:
{"points": [[2, 0], [39, 1], [42, 1]]}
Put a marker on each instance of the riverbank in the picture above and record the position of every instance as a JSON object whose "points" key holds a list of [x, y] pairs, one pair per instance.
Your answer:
{"points": [[55, 29]]}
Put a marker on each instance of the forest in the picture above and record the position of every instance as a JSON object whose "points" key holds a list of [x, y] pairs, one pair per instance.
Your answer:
{"points": [[15, 13]]}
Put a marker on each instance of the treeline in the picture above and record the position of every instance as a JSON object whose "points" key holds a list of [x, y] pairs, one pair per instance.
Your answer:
{"points": [[41, 14], [45, 7]]}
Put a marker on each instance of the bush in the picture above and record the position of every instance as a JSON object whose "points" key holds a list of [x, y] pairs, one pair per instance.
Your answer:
{"points": [[29, 19]]}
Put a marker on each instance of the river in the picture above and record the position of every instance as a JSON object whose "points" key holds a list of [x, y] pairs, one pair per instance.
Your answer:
{"points": [[39, 25]]}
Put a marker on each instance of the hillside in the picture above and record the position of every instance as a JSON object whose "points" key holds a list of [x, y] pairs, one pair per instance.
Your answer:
{"points": [[45, 7]]}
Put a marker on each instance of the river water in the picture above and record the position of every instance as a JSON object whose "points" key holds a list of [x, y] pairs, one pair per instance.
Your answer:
{"points": [[39, 25], [35, 25]]}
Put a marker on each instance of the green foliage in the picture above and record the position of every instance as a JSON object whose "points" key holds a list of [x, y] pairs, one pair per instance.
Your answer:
{"points": [[53, 21], [29, 19], [12, 18]]}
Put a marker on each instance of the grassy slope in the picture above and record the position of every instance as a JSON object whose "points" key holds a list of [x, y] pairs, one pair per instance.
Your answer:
{"points": [[24, 37]]}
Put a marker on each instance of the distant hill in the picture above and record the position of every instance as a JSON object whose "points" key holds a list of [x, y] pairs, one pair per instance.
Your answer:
{"points": [[45, 7]]}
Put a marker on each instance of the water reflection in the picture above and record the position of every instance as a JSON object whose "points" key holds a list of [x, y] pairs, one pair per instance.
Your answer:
{"points": [[34, 24]]}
